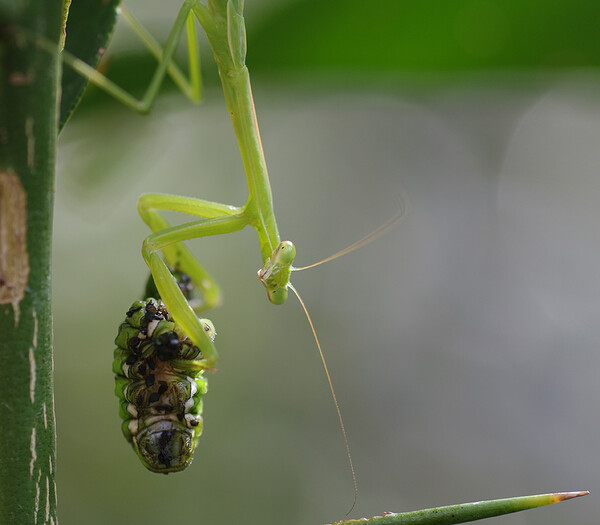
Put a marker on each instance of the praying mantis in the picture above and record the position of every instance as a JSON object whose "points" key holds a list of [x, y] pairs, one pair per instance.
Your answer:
{"points": [[224, 26]]}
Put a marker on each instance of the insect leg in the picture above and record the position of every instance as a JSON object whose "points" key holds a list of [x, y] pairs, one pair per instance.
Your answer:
{"points": [[192, 88], [144, 104], [177, 255], [167, 286], [188, 366], [150, 202]]}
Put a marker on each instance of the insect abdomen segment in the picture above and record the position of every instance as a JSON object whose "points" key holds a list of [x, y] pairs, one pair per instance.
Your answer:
{"points": [[160, 384]]}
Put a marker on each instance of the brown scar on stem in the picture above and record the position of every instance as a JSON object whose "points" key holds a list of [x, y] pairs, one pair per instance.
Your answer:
{"points": [[14, 257], [19, 78]]}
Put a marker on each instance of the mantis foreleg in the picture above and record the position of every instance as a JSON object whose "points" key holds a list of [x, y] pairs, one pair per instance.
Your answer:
{"points": [[166, 285], [177, 255]]}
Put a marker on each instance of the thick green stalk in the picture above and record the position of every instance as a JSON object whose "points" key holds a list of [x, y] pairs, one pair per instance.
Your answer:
{"points": [[29, 80]]}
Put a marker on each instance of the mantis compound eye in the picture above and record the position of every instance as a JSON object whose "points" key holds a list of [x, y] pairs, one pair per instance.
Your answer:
{"points": [[284, 253]]}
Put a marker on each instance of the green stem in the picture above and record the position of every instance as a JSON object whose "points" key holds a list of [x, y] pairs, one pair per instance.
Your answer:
{"points": [[29, 81], [466, 512]]}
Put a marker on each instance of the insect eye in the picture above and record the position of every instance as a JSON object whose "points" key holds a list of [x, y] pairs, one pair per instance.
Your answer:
{"points": [[285, 253], [278, 296]]}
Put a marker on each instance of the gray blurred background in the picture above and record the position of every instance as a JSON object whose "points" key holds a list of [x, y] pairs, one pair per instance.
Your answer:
{"points": [[463, 345]]}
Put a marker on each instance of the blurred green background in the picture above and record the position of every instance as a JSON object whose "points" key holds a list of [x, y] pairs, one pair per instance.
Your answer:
{"points": [[463, 345]]}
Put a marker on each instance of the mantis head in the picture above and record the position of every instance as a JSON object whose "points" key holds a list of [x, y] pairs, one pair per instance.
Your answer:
{"points": [[275, 274]]}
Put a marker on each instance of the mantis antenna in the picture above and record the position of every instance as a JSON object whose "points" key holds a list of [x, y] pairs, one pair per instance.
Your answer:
{"points": [[367, 239], [375, 234], [337, 407]]}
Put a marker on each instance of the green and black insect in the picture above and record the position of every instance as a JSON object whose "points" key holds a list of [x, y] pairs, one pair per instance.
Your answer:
{"points": [[160, 383]]}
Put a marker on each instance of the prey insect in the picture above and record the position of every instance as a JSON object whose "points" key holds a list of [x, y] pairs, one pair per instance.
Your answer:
{"points": [[160, 385]]}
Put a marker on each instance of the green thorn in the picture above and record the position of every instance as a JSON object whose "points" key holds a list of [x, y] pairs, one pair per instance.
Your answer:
{"points": [[466, 511]]}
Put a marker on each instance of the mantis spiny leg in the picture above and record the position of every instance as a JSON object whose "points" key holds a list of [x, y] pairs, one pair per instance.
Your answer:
{"points": [[177, 256], [167, 286]]}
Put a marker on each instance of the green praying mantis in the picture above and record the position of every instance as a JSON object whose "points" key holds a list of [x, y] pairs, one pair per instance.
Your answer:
{"points": [[164, 250]]}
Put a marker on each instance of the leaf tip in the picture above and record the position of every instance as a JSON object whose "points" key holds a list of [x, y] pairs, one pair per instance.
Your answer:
{"points": [[562, 496]]}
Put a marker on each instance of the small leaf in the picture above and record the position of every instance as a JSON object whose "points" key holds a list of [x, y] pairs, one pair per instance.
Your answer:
{"points": [[89, 27]]}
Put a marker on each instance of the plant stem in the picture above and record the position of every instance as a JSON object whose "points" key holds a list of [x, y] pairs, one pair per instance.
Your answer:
{"points": [[466, 512], [29, 80]]}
